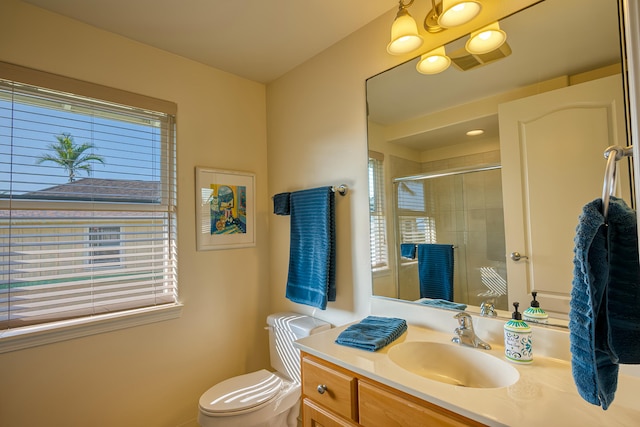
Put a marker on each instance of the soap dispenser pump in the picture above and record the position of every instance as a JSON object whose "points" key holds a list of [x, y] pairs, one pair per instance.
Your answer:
{"points": [[534, 313], [517, 339]]}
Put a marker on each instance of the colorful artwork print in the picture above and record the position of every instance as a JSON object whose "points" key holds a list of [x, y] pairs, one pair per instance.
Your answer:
{"points": [[228, 209]]}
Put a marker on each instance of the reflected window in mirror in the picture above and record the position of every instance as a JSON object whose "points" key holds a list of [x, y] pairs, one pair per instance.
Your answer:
{"points": [[378, 219]]}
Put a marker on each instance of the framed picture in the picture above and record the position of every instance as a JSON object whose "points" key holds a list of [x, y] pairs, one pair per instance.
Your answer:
{"points": [[225, 209]]}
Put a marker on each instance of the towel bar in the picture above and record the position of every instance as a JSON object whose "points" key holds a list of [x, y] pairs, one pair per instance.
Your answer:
{"points": [[341, 189]]}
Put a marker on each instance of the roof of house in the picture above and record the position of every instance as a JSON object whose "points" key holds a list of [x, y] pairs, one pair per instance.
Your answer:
{"points": [[100, 190]]}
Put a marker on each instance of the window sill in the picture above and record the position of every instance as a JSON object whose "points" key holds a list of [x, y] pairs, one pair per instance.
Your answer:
{"points": [[33, 336]]}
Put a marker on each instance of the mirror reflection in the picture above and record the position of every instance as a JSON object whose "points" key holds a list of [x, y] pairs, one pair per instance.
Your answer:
{"points": [[494, 214]]}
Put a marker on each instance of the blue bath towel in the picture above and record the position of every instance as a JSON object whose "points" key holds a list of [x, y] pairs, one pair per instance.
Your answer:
{"points": [[408, 250], [372, 333], [435, 271], [312, 253], [281, 204], [440, 303], [603, 317]]}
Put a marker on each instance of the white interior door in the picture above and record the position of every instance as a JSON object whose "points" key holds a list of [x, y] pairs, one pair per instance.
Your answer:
{"points": [[552, 147]]}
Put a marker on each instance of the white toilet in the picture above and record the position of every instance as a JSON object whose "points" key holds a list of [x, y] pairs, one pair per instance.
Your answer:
{"points": [[264, 398]]}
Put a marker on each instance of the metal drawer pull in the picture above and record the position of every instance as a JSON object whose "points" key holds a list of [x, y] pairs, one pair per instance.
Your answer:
{"points": [[321, 388]]}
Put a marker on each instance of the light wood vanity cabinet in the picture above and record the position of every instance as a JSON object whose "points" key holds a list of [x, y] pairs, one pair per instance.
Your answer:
{"points": [[336, 397]]}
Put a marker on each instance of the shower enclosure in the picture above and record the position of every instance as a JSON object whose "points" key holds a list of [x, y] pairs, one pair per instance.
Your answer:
{"points": [[461, 207]]}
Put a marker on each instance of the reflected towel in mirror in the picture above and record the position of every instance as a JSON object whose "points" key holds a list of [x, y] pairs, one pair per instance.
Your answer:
{"points": [[435, 270], [408, 250], [441, 303]]}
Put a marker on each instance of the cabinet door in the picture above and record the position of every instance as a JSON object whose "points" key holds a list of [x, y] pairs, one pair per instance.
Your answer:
{"points": [[381, 408], [315, 416], [330, 387]]}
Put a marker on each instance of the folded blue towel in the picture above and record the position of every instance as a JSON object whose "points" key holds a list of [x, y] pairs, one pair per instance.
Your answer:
{"points": [[441, 303], [281, 204], [603, 317], [312, 252], [372, 333], [435, 271], [408, 250]]}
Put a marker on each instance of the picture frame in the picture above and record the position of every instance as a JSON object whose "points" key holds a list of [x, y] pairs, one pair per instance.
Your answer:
{"points": [[225, 209]]}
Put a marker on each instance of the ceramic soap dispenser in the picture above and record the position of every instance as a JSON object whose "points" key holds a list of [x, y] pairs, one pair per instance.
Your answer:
{"points": [[517, 339], [534, 313]]}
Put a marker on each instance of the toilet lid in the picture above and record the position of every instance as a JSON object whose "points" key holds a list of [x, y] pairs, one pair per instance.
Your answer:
{"points": [[242, 393]]}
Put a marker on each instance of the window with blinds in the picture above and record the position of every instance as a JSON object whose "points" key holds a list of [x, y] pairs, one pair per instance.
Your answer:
{"points": [[415, 226], [87, 200], [379, 257]]}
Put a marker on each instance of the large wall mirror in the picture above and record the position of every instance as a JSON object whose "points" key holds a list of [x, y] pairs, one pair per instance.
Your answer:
{"points": [[496, 211]]}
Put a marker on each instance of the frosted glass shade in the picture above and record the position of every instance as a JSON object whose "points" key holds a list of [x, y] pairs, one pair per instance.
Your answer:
{"points": [[404, 34], [433, 62], [458, 12], [486, 39]]}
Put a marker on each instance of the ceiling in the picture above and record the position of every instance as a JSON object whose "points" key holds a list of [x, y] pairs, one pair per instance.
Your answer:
{"points": [[256, 39]]}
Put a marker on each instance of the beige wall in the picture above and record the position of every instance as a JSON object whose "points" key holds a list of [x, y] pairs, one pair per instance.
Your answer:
{"points": [[151, 375], [317, 133]]}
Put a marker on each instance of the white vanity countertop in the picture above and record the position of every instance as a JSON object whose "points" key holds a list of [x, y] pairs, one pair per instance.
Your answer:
{"points": [[545, 394]]}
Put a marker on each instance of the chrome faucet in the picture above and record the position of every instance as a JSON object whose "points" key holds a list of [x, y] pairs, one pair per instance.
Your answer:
{"points": [[488, 308], [465, 335]]}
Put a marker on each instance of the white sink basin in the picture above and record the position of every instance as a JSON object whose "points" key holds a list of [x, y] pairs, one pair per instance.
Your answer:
{"points": [[453, 364]]}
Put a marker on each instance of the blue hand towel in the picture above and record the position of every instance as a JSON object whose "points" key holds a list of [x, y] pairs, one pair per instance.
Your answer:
{"points": [[372, 333], [408, 250], [281, 204], [440, 303], [435, 271], [623, 287], [603, 316], [312, 252]]}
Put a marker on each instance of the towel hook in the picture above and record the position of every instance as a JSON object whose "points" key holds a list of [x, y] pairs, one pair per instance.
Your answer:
{"points": [[610, 173]]}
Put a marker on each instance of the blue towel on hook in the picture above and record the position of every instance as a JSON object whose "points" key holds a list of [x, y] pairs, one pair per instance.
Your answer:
{"points": [[281, 204], [435, 271], [604, 320], [372, 333], [312, 252], [408, 250]]}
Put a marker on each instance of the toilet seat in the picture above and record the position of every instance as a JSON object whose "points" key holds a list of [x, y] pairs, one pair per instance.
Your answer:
{"points": [[244, 393]]}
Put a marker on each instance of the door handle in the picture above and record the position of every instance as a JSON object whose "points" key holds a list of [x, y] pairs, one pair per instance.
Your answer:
{"points": [[517, 256]]}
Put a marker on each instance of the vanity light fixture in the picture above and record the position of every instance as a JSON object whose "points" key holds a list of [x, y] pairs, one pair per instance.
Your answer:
{"points": [[433, 62], [405, 37], [486, 39], [450, 13], [475, 132], [404, 32]]}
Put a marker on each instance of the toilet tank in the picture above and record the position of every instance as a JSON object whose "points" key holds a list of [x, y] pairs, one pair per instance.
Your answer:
{"points": [[284, 329]]}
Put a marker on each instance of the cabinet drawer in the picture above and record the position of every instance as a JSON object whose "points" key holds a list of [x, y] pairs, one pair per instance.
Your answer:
{"points": [[382, 408], [316, 416], [339, 388]]}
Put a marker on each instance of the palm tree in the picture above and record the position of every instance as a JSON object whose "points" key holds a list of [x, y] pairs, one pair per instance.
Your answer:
{"points": [[71, 156]]}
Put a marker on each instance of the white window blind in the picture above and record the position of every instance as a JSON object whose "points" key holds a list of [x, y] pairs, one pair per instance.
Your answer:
{"points": [[87, 203], [379, 257], [415, 226]]}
